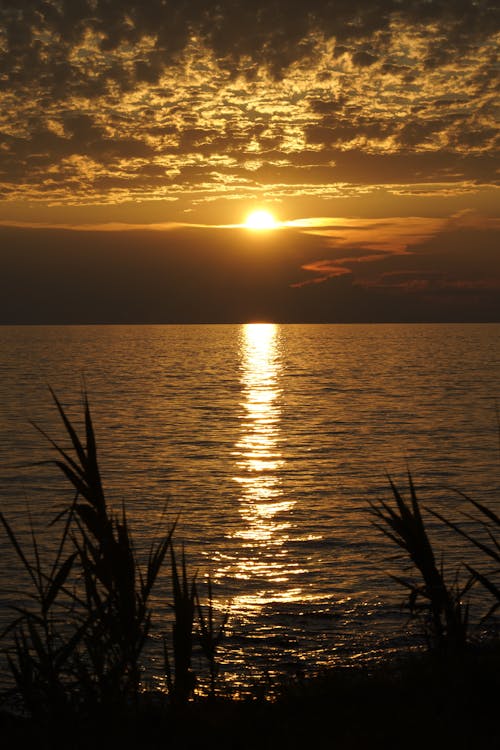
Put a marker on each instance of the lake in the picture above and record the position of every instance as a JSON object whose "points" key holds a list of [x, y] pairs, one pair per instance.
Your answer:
{"points": [[267, 441]]}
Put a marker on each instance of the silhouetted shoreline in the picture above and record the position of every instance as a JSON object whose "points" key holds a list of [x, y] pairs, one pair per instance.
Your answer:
{"points": [[418, 702]]}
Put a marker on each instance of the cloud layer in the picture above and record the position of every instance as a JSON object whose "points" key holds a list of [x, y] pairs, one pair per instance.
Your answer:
{"points": [[110, 101], [357, 270]]}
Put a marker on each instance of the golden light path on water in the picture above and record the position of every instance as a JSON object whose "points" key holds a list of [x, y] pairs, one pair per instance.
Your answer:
{"points": [[263, 564]]}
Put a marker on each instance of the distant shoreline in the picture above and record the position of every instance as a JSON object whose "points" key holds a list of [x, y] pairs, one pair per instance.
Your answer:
{"points": [[110, 324]]}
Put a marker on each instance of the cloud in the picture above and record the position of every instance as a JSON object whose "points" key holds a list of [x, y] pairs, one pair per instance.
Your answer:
{"points": [[201, 274], [433, 282], [338, 247], [124, 100], [103, 227], [366, 241], [354, 243]]}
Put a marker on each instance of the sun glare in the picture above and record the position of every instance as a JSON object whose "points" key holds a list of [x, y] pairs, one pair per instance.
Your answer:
{"points": [[261, 220]]}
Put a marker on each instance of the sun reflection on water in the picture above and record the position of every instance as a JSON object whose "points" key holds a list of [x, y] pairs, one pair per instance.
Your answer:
{"points": [[262, 561]]}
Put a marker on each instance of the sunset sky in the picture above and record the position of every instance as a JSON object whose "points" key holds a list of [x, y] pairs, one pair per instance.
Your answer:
{"points": [[136, 138]]}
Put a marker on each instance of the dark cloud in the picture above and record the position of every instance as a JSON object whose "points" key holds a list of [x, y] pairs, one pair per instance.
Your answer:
{"points": [[271, 32], [363, 58], [270, 91], [230, 275], [435, 282], [356, 166], [329, 132], [416, 132]]}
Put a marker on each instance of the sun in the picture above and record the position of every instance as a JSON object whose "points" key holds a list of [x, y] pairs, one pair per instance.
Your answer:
{"points": [[261, 220]]}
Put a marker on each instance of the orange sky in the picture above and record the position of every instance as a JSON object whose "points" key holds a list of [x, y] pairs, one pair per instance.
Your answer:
{"points": [[369, 127]]}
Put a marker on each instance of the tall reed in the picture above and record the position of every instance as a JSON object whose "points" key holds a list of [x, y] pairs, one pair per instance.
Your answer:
{"points": [[211, 635], [183, 605], [446, 617], [491, 524], [97, 657], [41, 656], [78, 646]]}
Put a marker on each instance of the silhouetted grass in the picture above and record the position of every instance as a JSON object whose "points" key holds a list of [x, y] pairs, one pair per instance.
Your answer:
{"points": [[445, 614], [78, 648], [181, 687], [491, 549], [211, 635], [40, 657]]}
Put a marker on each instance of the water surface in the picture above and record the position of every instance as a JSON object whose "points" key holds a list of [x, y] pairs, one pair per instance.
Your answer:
{"points": [[268, 440]]}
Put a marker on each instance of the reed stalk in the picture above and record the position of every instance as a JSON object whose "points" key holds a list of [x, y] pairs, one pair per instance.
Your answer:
{"points": [[490, 522], [210, 635], [446, 614], [99, 655], [184, 597]]}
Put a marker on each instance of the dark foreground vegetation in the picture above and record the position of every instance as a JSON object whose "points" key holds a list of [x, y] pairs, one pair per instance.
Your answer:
{"points": [[417, 704], [74, 651]]}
